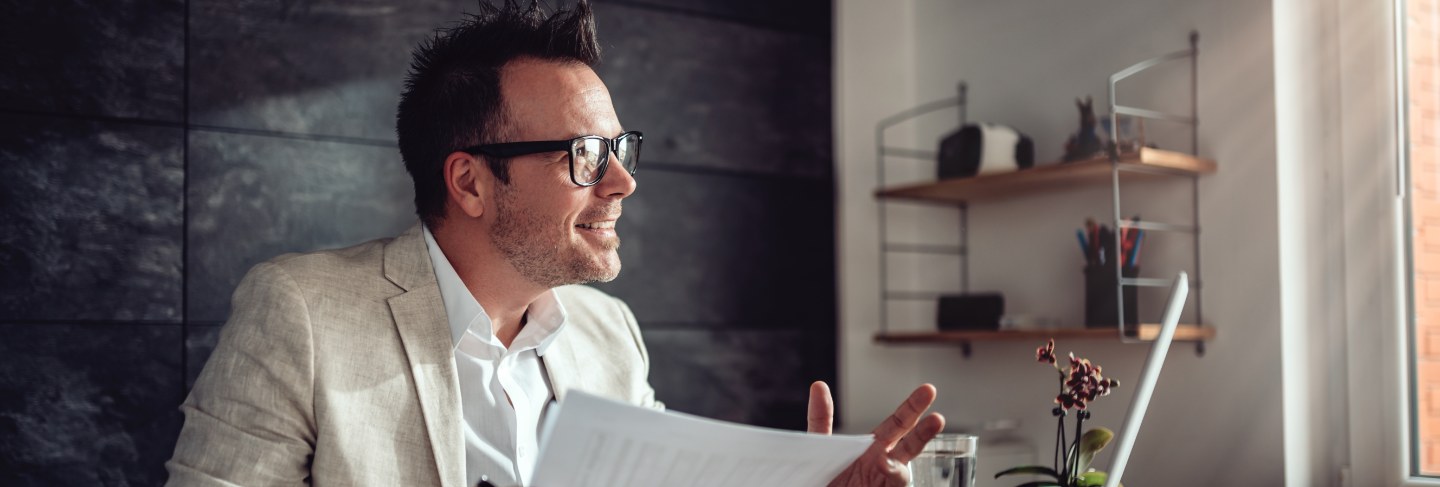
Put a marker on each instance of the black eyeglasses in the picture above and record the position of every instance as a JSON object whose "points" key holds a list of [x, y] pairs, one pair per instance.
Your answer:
{"points": [[589, 154]]}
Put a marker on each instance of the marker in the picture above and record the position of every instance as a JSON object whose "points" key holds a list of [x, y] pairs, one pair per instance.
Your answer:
{"points": [[1135, 249]]}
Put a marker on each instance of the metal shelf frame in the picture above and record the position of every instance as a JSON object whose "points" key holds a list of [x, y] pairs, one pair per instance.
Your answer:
{"points": [[1193, 120], [881, 152]]}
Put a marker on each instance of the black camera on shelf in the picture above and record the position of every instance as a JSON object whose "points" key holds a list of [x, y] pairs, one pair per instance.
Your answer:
{"points": [[972, 311]]}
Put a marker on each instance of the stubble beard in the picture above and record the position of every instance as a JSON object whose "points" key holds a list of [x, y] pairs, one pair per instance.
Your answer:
{"points": [[520, 235]]}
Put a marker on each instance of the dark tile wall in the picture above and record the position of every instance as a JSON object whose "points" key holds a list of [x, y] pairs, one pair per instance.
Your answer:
{"points": [[253, 197], [92, 219], [151, 152], [119, 58], [91, 404]]}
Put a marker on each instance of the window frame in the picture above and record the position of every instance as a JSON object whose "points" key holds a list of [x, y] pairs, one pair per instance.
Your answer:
{"points": [[1378, 216]]}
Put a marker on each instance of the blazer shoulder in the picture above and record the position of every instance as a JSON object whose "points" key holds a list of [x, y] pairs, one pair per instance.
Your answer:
{"points": [[603, 333], [356, 267], [585, 302], [599, 316]]}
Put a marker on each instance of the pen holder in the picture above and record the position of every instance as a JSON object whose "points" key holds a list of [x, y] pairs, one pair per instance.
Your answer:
{"points": [[1100, 305]]}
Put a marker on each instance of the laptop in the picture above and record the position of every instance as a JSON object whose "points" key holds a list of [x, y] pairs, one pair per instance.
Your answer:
{"points": [[1178, 292]]}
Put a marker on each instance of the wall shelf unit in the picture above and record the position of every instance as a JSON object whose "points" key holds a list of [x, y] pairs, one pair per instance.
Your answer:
{"points": [[1112, 169], [1147, 163], [1146, 332]]}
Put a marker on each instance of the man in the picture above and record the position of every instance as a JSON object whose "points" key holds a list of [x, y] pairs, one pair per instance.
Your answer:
{"points": [[431, 358]]}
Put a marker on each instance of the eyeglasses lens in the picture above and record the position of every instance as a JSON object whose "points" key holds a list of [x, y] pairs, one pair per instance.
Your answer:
{"points": [[628, 152], [588, 154]]}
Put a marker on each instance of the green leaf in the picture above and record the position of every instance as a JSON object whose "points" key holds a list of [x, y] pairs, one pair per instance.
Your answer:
{"points": [[1096, 439], [1091, 443], [1093, 479], [1030, 470]]}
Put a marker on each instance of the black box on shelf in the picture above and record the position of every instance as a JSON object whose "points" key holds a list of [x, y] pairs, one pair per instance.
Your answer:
{"points": [[1100, 303], [974, 311]]}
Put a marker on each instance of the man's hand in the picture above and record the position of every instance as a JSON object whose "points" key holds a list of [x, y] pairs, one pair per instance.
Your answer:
{"points": [[897, 440]]}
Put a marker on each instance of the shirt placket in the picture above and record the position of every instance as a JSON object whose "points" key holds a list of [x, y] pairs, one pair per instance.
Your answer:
{"points": [[524, 414]]}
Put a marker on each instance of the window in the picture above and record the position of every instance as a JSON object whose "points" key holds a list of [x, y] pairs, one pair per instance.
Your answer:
{"points": [[1389, 110], [1420, 68]]}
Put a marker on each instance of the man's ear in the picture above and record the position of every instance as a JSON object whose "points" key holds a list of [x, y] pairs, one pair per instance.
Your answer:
{"points": [[468, 183]]}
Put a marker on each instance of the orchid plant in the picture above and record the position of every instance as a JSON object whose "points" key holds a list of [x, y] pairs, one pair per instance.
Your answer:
{"points": [[1080, 384]]}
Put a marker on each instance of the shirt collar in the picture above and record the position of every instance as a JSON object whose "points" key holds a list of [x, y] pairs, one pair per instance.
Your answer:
{"points": [[545, 316]]}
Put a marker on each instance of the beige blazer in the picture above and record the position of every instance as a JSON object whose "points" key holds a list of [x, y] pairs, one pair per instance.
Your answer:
{"points": [[336, 368]]}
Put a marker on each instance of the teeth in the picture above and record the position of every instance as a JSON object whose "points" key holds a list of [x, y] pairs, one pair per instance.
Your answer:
{"points": [[597, 225]]}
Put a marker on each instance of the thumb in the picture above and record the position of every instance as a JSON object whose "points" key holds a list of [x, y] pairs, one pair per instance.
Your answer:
{"points": [[821, 410]]}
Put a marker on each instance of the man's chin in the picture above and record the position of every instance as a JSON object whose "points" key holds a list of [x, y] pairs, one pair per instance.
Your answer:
{"points": [[608, 271], [607, 277], [604, 268]]}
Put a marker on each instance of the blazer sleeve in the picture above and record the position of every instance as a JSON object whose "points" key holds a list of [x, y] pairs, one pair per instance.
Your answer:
{"points": [[249, 420]]}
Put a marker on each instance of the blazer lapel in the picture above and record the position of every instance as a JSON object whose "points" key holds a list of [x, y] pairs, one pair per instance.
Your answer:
{"points": [[420, 319], [560, 366]]}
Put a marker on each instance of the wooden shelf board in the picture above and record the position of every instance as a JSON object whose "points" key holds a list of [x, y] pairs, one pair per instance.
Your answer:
{"points": [[1148, 332], [1049, 177]]}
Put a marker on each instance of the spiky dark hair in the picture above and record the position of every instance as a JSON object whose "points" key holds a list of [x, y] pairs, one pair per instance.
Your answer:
{"points": [[451, 99]]}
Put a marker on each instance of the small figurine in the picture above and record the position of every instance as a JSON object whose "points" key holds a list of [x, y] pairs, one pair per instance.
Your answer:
{"points": [[1085, 143]]}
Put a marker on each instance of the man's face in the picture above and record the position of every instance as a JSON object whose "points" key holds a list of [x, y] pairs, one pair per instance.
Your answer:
{"points": [[551, 230]]}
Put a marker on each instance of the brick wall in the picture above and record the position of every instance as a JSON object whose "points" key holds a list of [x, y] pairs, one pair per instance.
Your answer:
{"points": [[1422, 48]]}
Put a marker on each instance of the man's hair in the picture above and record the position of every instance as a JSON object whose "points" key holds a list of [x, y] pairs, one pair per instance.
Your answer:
{"points": [[451, 99]]}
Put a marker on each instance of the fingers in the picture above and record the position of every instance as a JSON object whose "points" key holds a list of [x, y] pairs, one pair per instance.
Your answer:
{"points": [[822, 408], [903, 419], [912, 443]]}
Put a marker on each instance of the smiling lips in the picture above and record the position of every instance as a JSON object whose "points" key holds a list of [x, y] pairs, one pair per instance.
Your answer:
{"points": [[605, 225]]}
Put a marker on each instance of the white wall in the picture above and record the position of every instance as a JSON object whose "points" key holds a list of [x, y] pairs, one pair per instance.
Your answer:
{"points": [[1216, 419]]}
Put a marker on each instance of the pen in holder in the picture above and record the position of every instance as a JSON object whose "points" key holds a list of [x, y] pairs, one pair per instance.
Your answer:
{"points": [[1100, 303]]}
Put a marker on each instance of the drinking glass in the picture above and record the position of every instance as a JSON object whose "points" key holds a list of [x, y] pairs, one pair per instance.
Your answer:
{"points": [[947, 461]]}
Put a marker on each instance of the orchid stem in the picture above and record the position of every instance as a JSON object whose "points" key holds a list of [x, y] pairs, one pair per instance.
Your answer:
{"points": [[1075, 458], [1064, 452]]}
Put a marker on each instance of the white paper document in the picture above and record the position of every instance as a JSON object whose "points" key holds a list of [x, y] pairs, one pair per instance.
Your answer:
{"points": [[598, 442]]}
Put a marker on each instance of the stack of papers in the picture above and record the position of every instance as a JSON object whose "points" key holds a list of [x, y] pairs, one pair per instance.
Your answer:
{"points": [[595, 441]]}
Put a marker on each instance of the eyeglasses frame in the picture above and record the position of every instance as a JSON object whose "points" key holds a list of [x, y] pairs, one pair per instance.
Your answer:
{"points": [[508, 150]]}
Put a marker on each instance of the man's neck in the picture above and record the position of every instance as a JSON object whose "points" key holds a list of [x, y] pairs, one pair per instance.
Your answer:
{"points": [[496, 285]]}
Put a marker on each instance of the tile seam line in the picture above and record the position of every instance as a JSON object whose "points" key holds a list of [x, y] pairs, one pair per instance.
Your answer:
{"points": [[185, 213], [192, 127], [657, 166], [90, 322]]}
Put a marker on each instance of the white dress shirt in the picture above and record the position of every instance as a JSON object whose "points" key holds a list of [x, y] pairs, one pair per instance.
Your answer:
{"points": [[504, 393]]}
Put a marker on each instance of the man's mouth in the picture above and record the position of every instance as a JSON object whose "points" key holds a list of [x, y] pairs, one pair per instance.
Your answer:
{"points": [[603, 225]]}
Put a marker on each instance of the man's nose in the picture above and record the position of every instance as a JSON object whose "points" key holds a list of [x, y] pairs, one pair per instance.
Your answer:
{"points": [[617, 183]]}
